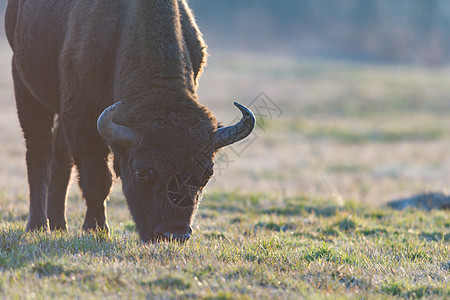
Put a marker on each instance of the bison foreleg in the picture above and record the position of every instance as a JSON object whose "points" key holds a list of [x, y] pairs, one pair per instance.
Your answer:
{"points": [[95, 182], [61, 167], [90, 155], [36, 122]]}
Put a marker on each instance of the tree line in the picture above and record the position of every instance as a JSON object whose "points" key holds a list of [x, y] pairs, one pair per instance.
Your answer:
{"points": [[405, 31]]}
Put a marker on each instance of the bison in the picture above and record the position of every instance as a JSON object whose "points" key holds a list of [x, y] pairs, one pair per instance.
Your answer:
{"points": [[118, 76]]}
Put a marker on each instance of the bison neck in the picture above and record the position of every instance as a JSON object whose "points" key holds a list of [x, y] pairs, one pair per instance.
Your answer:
{"points": [[153, 57]]}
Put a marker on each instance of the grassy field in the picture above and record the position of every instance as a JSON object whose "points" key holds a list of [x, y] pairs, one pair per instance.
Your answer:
{"points": [[300, 212]]}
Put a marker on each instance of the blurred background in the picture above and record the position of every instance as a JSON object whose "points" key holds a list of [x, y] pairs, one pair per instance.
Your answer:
{"points": [[359, 94], [352, 98], [380, 31]]}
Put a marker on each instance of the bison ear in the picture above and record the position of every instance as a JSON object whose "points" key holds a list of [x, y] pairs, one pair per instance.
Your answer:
{"points": [[113, 132], [225, 136]]}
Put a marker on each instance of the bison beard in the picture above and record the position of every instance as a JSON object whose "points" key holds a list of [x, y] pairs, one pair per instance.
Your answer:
{"points": [[72, 61]]}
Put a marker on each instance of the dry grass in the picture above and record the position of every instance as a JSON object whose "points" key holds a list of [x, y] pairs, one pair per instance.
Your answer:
{"points": [[362, 132]]}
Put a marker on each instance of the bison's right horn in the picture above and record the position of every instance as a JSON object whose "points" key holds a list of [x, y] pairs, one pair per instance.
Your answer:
{"points": [[114, 132], [228, 135]]}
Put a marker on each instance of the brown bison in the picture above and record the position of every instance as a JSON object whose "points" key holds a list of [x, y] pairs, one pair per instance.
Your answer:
{"points": [[92, 77]]}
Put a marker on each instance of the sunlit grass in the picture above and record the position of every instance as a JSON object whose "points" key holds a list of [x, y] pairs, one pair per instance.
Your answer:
{"points": [[278, 248]]}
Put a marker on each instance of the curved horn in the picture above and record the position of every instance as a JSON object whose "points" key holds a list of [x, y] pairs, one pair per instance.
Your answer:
{"points": [[228, 135], [114, 132]]}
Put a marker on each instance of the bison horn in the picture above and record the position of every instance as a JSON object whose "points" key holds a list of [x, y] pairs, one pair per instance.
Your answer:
{"points": [[228, 135], [114, 132]]}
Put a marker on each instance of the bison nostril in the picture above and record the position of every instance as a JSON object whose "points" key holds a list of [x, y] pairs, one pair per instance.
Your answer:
{"points": [[176, 237]]}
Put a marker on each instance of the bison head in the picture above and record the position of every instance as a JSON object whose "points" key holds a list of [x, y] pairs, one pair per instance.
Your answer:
{"points": [[165, 159]]}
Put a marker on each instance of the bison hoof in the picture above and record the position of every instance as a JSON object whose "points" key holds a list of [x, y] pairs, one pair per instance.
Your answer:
{"points": [[94, 226], [35, 225], [58, 227]]}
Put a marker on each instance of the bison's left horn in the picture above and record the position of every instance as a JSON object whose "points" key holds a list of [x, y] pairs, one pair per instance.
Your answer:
{"points": [[114, 132], [228, 135]]}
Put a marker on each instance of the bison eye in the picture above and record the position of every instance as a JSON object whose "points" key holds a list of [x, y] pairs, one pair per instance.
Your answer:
{"points": [[145, 175]]}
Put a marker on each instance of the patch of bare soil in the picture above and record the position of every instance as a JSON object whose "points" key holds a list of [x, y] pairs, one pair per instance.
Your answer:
{"points": [[425, 201]]}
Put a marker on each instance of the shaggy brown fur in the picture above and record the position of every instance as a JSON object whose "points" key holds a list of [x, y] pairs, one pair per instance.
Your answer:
{"points": [[74, 58]]}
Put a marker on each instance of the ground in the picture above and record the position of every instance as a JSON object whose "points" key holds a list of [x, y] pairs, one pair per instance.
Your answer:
{"points": [[296, 210]]}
